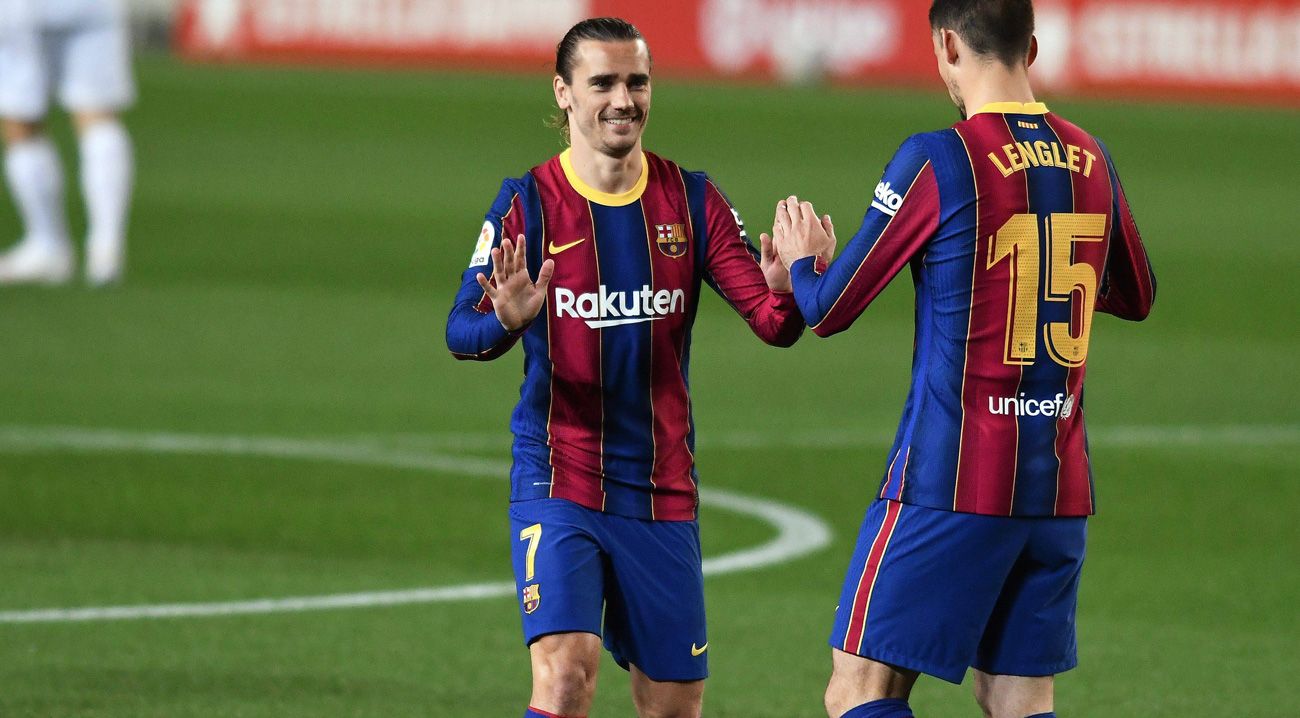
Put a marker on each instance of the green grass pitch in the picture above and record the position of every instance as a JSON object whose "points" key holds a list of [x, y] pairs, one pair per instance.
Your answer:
{"points": [[297, 238]]}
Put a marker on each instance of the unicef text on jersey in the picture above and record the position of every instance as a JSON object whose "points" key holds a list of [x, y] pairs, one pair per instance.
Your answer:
{"points": [[1062, 406]]}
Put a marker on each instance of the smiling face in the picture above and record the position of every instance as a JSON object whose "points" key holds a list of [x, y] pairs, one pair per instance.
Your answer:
{"points": [[608, 101]]}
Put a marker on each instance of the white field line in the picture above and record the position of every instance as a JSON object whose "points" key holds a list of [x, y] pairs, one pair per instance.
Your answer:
{"points": [[1188, 436], [798, 532], [16, 439]]}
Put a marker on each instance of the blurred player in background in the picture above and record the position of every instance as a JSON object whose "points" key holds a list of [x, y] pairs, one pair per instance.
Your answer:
{"points": [[596, 258], [78, 52], [1016, 229]]}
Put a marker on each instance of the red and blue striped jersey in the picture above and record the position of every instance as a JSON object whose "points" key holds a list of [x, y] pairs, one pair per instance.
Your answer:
{"points": [[1015, 228], [604, 414]]}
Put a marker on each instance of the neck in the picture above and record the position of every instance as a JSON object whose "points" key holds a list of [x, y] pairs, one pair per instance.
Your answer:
{"points": [[997, 83], [612, 175]]}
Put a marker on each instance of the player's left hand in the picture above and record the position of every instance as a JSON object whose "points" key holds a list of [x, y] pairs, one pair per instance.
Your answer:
{"points": [[800, 233], [774, 270]]}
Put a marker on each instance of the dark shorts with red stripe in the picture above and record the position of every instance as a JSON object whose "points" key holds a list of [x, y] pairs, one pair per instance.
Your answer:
{"points": [[939, 591], [639, 583]]}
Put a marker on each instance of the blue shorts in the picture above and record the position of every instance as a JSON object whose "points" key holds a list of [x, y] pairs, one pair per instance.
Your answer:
{"points": [[937, 591], [572, 565]]}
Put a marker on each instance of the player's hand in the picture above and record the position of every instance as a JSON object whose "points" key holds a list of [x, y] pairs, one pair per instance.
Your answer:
{"points": [[774, 270], [515, 298], [800, 233]]}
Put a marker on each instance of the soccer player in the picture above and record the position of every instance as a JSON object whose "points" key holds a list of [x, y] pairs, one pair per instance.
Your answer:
{"points": [[79, 50], [1016, 228], [595, 259]]}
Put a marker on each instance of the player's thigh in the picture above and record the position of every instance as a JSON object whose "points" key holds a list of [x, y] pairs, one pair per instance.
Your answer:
{"points": [[1031, 631], [94, 61], [666, 699], [654, 618], [559, 568], [921, 585], [24, 74]]}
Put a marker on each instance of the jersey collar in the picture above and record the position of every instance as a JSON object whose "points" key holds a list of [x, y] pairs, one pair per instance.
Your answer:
{"points": [[1014, 108], [610, 200]]}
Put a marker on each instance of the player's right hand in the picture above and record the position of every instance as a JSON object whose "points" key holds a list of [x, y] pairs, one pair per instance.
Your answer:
{"points": [[516, 299], [798, 232]]}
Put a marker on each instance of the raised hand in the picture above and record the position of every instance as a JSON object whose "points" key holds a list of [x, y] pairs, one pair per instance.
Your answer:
{"points": [[515, 298]]}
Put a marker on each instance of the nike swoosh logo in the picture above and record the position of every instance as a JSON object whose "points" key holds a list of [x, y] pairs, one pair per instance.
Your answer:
{"points": [[697, 651], [557, 248]]}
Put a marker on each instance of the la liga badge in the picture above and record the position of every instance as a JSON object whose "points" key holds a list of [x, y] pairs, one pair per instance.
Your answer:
{"points": [[483, 250]]}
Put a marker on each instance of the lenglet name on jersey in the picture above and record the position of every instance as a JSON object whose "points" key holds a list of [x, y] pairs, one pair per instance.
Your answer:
{"points": [[1023, 155], [608, 309]]}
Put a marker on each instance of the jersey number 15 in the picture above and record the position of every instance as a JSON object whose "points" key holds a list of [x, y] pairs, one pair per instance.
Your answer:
{"points": [[1018, 240]]}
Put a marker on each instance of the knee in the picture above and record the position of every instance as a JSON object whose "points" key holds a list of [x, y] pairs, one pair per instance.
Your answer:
{"points": [[1012, 696], [841, 694], [660, 710], [568, 684], [984, 697], [16, 131], [85, 120], [683, 700], [856, 680]]}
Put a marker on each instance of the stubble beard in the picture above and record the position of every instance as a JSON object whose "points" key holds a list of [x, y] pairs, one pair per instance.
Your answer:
{"points": [[955, 94], [625, 145]]}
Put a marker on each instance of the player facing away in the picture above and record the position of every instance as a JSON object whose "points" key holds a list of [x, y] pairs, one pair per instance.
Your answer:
{"points": [[78, 50], [1016, 229], [595, 260]]}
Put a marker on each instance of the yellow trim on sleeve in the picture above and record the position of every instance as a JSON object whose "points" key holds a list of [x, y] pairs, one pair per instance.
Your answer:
{"points": [[609, 200], [1014, 108]]}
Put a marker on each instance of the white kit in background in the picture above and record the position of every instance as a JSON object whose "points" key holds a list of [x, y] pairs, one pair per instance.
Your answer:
{"points": [[75, 52]]}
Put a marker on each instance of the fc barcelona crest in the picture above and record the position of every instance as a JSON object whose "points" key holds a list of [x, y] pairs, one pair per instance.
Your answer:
{"points": [[532, 598], [671, 239]]}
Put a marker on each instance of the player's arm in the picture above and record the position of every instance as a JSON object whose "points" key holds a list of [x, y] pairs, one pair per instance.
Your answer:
{"points": [[1128, 285], [745, 278], [902, 218], [497, 299]]}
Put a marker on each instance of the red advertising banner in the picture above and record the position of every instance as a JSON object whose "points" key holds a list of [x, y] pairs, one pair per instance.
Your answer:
{"points": [[1201, 49]]}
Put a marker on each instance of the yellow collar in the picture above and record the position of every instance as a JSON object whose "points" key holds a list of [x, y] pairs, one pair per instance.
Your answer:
{"points": [[1014, 108], [610, 200]]}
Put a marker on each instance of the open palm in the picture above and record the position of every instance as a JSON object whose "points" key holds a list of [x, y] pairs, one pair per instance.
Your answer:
{"points": [[515, 297]]}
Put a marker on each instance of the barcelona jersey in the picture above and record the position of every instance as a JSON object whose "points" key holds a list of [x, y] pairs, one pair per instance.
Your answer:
{"points": [[604, 416], [1016, 229]]}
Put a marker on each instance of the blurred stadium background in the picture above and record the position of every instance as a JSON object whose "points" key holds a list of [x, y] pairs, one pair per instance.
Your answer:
{"points": [[265, 409]]}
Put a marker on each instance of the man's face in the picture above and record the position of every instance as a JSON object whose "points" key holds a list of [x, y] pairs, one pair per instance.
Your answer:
{"points": [[608, 103]]}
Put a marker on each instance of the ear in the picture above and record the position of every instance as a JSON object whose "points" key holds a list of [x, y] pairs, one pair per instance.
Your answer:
{"points": [[1033, 50], [562, 98], [952, 49]]}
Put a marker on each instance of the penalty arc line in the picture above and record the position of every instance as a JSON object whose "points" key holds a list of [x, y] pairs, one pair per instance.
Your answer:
{"points": [[799, 532]]}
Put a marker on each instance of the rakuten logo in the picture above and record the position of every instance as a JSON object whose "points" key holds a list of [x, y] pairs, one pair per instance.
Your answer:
{"points": [[1062, 406], [610, 309]]}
